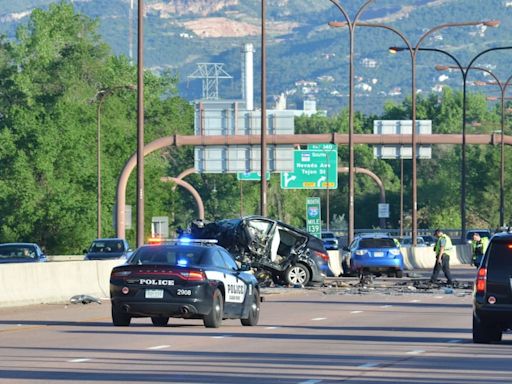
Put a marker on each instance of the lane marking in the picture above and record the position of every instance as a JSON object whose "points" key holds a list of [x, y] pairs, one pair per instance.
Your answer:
{"points": [[159, 347], [415, 301], [220, 337], [438, 297], [386, 306], [310, 382], [455, 341], [78, 360], [354, 312], [319, 318], [272, 327], [368, 365], [416, 352]]}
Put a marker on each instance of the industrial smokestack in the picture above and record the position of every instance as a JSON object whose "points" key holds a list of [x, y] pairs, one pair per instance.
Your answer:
{"points": [[247, 76]]}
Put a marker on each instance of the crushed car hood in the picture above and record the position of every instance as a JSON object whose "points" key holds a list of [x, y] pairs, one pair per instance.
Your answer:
{"points": [[256, 240]]}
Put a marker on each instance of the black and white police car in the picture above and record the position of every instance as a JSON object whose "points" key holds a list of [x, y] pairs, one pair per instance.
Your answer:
{"points": [[190, 279]]}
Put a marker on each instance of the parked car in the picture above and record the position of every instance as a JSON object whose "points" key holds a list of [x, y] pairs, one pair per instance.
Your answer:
{"points": [[21, 253], [373, 254], [108, 249], [481, 232], [290, 255], [492, 295], [407, 242], [430, 240], [330, 240], [189, 279]]}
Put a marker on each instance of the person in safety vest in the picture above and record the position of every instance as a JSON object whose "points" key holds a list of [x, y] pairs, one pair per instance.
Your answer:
{"points": [[443, 249], [478, 247]]}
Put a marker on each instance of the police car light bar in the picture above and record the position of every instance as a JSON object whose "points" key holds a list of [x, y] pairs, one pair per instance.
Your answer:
{"points": [[182, 240]]}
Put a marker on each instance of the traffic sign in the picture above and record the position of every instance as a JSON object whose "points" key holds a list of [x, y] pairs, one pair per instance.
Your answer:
{"points": [[313, 216], [383, 211], [251, 176], [314, 168]]}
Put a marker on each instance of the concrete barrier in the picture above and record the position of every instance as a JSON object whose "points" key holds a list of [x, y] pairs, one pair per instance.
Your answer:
{"points": [[42, 283], [424, 257]]}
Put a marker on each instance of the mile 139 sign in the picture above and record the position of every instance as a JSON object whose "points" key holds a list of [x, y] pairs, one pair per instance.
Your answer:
{"points": [[313, 216]]}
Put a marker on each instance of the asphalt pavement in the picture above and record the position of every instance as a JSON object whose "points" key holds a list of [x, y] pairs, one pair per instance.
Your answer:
{"points": [[315, 335]]}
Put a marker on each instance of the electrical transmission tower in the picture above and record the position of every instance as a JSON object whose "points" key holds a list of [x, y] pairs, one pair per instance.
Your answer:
{"points": [[210, 73]]}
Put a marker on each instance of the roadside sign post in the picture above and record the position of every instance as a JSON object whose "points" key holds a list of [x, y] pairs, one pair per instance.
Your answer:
{"points": [[313, 216]]}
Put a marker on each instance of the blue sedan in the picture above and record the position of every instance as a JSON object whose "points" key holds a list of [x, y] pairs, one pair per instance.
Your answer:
{"points": [[370, 254]]}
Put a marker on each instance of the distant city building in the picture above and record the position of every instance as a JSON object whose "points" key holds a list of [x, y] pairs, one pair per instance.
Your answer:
{"points": [[397, 91], [438, 88], [326, 78], [369, 63]]}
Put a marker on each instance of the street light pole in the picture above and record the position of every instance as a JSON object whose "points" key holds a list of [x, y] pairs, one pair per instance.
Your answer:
{"points": [[413, 52], [263, 166], [351, 174], [140, 125]]}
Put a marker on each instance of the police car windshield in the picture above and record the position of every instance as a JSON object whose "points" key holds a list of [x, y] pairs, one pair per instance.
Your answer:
{"points": [[176, 256], [377, 243]]}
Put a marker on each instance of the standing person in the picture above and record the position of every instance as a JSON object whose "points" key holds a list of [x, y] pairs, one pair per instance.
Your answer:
{"points": [[478, 247], [443, 249]]}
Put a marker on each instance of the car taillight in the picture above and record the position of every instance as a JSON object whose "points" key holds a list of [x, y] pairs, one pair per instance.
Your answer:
{"points": [[120, 273], [193, 275], [481, 280], [324, 256]]}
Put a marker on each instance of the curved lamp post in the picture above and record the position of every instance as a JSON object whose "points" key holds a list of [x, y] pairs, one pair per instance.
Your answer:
{"points": [[413, 50], [464, 72], [351, 24], [503, 89], [99, 98]]}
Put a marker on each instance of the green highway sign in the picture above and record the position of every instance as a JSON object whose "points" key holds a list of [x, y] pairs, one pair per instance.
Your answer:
{"points": [[314, 168], [251, 176], [313, 216]]}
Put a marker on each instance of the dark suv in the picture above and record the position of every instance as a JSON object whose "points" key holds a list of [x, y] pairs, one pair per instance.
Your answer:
{"points": [[492, 303]]}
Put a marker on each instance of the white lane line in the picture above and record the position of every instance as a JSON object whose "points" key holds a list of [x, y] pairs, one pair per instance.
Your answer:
{"points": [[159, 347], [416, 352], [78, 360], [319, 318], [454, 341], [415, 301], [368, 365], [438, 297], [310, 382], [220, 337], [354, 312], [272, 327], [386, 306]]}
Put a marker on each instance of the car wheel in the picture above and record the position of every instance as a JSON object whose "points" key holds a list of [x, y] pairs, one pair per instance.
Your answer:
{"points": [[297, 274], [120, 318], [483, 333], [399, 274], [214, 318], [159, 321], [254, 311]]}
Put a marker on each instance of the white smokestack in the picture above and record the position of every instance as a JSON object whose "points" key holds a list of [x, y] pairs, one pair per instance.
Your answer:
{"points": [[247, 76]]}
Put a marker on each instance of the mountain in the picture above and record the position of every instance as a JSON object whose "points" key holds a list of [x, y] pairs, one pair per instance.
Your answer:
{"points": [[306, 59]]}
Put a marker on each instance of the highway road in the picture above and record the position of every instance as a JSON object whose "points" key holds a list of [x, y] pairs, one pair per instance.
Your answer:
{"points": [[305, 336]]}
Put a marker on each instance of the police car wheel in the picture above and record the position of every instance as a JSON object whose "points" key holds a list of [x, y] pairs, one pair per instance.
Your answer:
{"points": [[297, 274], [399, 274], [120, 318], [214, 318], [254, 311], [159, 321]]}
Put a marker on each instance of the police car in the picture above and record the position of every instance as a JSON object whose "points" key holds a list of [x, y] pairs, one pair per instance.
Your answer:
{"points": [[189, 279]]}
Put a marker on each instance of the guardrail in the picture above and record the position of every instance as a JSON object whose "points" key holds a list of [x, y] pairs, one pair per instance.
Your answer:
{"points": [[56, 282]]}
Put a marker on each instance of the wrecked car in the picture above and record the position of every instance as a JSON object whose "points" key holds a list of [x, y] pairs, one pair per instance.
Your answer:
{"points": [[289, 255]]}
